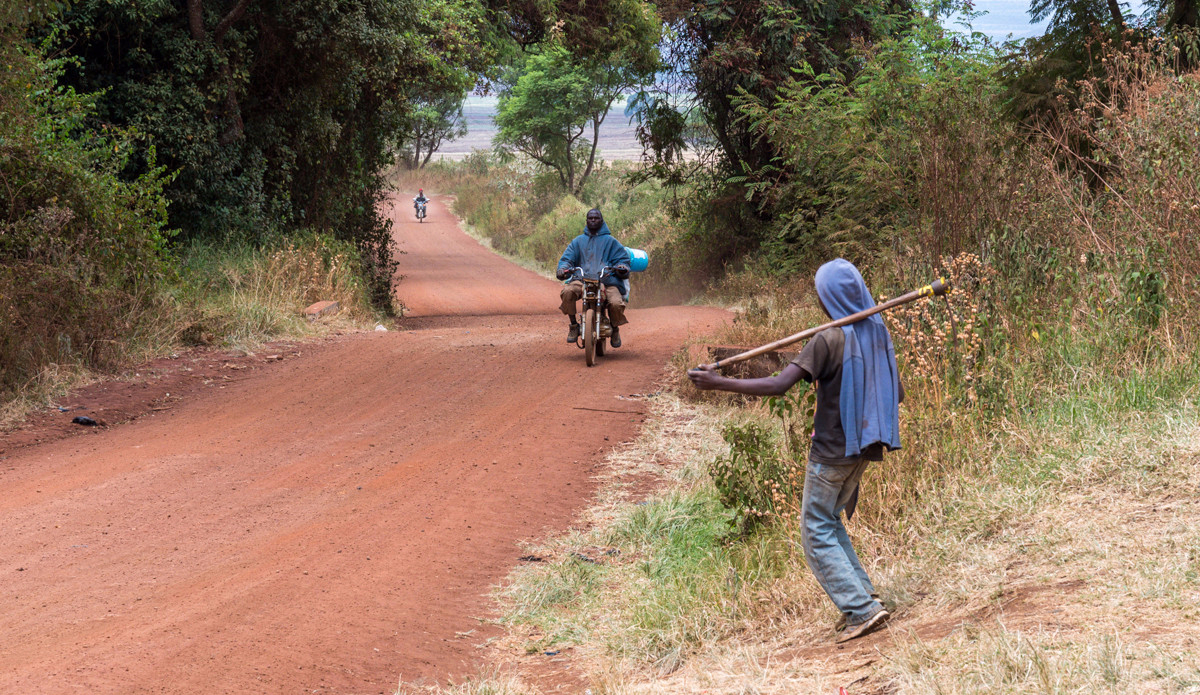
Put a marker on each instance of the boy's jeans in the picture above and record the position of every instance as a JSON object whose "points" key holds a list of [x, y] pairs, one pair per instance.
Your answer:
{"points": [[827, 548]]}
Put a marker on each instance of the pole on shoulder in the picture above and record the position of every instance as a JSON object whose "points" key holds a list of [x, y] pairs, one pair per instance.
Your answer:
{"points": [[936, 288]]}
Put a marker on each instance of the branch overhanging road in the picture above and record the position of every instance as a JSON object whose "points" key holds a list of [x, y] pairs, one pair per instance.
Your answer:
{"points": [[330, 523]]}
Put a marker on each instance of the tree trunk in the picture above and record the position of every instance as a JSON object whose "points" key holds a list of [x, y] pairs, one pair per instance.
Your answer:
{"points": [[233, 111], [1185, 13], [596, 121], [227, 21], [570, 163], [413, 157], [196, 20], [1114, 8]]}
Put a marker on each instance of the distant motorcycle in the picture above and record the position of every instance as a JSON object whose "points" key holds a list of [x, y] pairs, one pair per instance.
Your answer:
{"points": [[421, 211]]}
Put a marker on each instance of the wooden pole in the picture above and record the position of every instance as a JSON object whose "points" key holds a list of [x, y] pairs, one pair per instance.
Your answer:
{"points": [[938, 288]]}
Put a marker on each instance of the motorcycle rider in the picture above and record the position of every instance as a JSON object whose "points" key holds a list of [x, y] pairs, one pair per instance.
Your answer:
{"points": [[419, 199], [592, 251]]}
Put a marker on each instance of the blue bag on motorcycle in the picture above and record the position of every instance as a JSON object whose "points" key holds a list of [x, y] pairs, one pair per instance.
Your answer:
{"points": [[638, 260]]}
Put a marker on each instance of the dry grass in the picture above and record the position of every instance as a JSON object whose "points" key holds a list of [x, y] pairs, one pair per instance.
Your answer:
{"points": [[42, 391], [488, 682], [1049, 549], [238, 298], [1036, 534], [1095, 591], [243, 297]]}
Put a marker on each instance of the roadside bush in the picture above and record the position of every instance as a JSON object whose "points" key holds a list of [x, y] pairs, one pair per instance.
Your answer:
{"points": [[913, 154], [82, 251], [1140, 121], [553, 231], [761, 479]]}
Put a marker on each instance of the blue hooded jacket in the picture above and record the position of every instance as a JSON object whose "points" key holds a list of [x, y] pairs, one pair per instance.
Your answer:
{"points": [[870, 395], [594, 251]]}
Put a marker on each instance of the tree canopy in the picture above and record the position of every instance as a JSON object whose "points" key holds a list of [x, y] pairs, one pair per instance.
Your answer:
{"points": [[555, 103], [434, 121], [720, 49], [273, 113]]}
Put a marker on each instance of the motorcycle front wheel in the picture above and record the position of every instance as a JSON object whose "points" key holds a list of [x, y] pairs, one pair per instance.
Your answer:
{"points": [[589, 337]]}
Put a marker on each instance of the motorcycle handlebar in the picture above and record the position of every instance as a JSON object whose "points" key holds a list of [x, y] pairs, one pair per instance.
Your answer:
{"points": [[603, 273]]}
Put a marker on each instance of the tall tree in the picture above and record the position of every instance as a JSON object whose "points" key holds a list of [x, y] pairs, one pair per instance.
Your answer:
{"points": [[1047, 68], [549, 111], [434, 121]]}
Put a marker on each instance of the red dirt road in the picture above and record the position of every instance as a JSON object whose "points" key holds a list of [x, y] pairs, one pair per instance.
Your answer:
{"points": [[328, 523]]}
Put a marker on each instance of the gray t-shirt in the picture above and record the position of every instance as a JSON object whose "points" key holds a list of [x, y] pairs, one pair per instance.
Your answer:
{"points": [[821, 362]]}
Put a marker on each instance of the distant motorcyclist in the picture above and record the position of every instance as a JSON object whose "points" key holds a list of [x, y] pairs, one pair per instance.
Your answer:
{"points": [[420, 198], [592, 251]]}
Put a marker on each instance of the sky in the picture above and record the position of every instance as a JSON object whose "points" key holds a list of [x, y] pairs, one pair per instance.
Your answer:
{"points": [[1006, 17]]}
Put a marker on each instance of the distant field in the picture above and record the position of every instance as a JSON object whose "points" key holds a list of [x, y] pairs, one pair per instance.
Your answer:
{"points": [[617, 139]]}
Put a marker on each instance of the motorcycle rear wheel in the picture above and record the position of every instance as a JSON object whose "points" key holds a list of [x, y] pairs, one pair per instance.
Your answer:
{"points": [[589, 337]]}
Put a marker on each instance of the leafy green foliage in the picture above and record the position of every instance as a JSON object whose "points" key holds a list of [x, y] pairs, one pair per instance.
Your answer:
{"points": [[917, 141], [555, 99], [596, 30], [274, 113], [81, 248], [760, 480]]}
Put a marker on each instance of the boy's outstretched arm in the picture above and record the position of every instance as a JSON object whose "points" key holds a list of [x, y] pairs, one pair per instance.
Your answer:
{"points": [[709, 379]]}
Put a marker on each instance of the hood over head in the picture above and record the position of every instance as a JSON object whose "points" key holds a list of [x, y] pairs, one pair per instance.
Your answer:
{"points": [[870, 395], [842, 290]]}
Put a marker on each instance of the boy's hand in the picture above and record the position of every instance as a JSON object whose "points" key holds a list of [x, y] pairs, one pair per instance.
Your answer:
{"points": [[704, 378]]}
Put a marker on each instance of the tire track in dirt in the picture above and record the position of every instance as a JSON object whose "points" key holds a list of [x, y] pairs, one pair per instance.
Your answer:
{"points": [[331, 523]]}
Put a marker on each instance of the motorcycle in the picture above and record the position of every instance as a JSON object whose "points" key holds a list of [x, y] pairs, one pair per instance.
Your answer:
{"points": [[595, 327], [421, 211]]}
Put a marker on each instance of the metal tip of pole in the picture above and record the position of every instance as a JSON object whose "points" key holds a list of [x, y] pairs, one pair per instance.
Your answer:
{"points": [[941, 286]]}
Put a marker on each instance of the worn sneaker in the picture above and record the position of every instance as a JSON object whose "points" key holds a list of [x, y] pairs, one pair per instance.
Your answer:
{"points": [[615, 338], [573, 333], [841, 622], [867, 626]]}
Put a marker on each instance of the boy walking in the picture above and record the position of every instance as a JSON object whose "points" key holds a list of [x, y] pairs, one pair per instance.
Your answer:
{"points": [[857, 418]]}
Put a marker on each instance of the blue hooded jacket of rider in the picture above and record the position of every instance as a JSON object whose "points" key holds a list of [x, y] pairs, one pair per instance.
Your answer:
{"points": [[594, 251], [870, 395]]}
